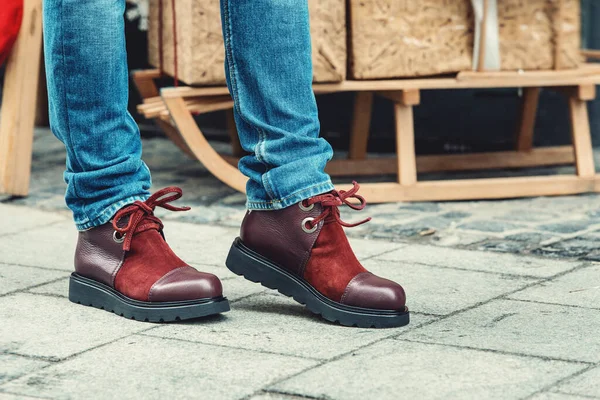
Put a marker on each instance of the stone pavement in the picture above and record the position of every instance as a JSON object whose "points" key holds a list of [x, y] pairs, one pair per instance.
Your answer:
{"points": [[505, 300]]}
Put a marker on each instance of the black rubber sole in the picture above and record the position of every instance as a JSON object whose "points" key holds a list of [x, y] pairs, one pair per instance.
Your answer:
{"points": [[88, 292], [256, 268]]}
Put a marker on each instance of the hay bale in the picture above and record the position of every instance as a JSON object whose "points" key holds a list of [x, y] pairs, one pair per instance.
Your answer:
{"points": [[406, 38], [200, 49]]}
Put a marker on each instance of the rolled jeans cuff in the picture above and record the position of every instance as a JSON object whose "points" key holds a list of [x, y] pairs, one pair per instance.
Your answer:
{"points": [[293, 198], [105, 215]]}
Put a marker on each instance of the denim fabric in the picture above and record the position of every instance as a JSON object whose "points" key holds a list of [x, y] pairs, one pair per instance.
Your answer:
{"points": [[86, 69], [269, 74]]}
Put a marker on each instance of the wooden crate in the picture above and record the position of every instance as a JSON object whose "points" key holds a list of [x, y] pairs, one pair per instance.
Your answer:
{"points": [[200, 49], [406, 38]]}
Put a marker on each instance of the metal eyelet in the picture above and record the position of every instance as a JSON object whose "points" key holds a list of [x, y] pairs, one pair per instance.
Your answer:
{"points": [[303, 208], [308, 230], [117, 238]]}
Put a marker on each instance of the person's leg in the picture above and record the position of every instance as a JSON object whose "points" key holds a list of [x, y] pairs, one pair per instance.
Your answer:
{"points": [[86, 67], [122, 261], [292, 238], [269, 74]]}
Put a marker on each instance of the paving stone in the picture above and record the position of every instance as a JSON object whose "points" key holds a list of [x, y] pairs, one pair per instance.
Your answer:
{"points": [[54, 247], [593, 256], [425, 371], [274, 323], [59, 288], [566, 227], [457, 238], [369, 248], [531, 237], [16, 219], [556, 396], [479, 261], [55, 328], [238, 288], [10, 396], [520, 327], [573, 248], [490, 226], [12, 366], [579, 288], [586, 384], [16, 277], [187, 370], [502, 246], [423, 207], [455, 215], [275, 396], [410, 229], [529, 216], [200, 244], [441, 291]]}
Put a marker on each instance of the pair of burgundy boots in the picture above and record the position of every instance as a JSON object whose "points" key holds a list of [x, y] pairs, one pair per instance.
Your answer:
{"points": [[127, 267]]}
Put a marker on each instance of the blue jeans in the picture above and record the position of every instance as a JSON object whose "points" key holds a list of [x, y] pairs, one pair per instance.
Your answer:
{"points": [[269, 74]]}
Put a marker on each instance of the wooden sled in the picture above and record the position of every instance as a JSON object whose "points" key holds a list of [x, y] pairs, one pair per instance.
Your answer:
{"points": [[173, 109]]}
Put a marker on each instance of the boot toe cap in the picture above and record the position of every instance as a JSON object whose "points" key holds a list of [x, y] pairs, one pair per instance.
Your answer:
{"points": [[185, 283], [367, 290]]}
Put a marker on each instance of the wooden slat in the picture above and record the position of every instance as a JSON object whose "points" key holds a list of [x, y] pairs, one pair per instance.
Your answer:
{"points": [[582, 140], [144, 83], [18, 103], [586, 74], [361, 121], [591, 54], [586, 92], [466, 189], [546, 156], [200, 106], [405, 145], [526, 127]]}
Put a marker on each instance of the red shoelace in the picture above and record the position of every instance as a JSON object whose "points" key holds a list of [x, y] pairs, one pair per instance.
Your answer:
{"points": [[332, 200], [139, 212]]}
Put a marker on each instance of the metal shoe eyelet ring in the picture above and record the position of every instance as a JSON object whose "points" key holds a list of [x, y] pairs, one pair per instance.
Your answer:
{"points": [[303, 208], [305, 228], [117, 238]]}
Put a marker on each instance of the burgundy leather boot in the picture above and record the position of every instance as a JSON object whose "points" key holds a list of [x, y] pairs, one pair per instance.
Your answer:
{"points": [[127, 267], [302, 251]]}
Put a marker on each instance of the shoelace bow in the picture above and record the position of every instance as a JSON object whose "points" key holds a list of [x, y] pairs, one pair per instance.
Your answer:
{"points": [[144, 211], [332, 200]]}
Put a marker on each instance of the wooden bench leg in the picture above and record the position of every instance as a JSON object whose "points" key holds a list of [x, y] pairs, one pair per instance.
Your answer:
{"points": [[361, 121], [19, 103], [582, 140], [527, 122], [405, 139], [405, 134]]}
